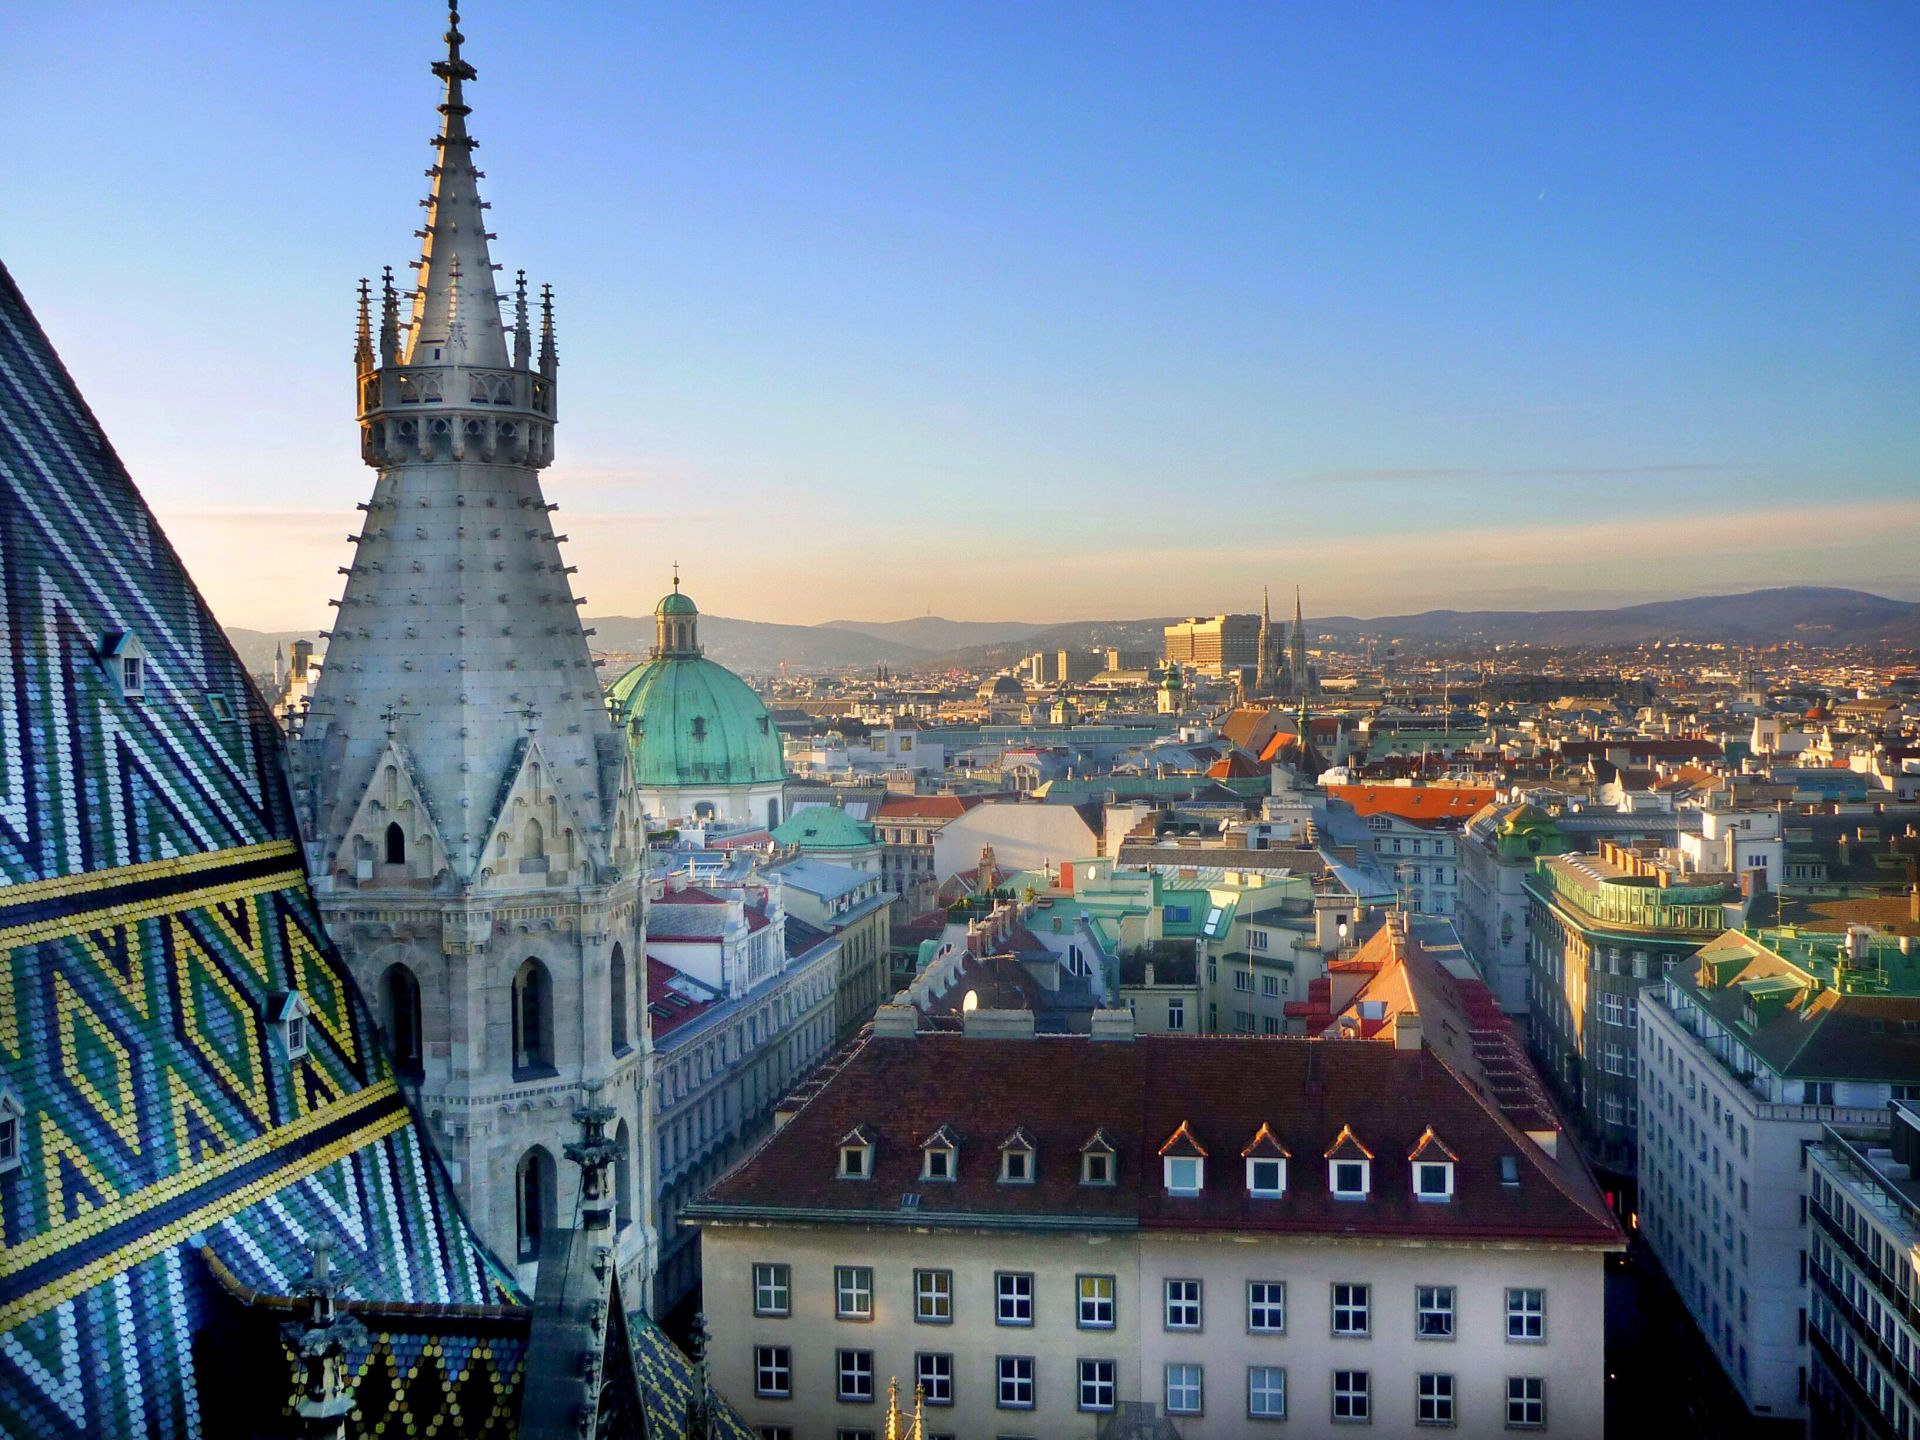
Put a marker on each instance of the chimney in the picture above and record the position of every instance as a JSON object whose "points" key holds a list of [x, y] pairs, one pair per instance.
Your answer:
{"points": [[1407, 1030], [1115, 1024], [997, 1024], [897, 1022]]}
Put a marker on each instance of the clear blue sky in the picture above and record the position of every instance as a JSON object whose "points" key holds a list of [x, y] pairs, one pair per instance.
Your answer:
{"points": [[1029, 311]]}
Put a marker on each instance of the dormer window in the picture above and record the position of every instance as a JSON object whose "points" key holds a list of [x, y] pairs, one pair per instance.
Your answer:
{"points": [[856, 1155], [1432, 1169], [126, 661], [1183, 1162], [289, 1012], [12, 1120], [1266, 1161], [939, 1155], [1099, 1160], [1017, 1159], [1349, 1167]]}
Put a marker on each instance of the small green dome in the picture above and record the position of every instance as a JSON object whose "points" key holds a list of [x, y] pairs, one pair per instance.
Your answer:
{"points": [[691, 721], [824, 827], [676, 603]]}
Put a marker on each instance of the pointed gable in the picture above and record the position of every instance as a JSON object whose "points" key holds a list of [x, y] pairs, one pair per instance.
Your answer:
{"points": [[1182, 1144], [1346, 1146], [1265, 1145], [1431, 1147]]}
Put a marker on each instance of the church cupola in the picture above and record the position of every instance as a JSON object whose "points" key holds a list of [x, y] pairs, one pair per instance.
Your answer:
{"points": [[676, 625]]}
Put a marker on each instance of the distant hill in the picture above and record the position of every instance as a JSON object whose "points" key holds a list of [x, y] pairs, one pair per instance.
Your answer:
{"points": [[1812, 615], [937, 635]]}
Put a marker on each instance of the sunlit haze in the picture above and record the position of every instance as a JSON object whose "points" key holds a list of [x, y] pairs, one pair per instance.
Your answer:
{"points": [[1027, 312]]}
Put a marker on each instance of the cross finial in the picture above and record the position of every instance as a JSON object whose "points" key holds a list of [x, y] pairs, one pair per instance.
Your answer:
{"points": [[676, 574], [531, 715], [393, 715]]}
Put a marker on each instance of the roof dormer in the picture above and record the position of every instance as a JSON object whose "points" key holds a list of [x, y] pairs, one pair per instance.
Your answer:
{"points": [[1433, 1166], [125, 659], [1266, 1161], [1017, 1158], [1183, 1162], [13, 1116], [1099, 1160], [1349, 1167], [856, 1154], [287, 1012], [940, 1155]]}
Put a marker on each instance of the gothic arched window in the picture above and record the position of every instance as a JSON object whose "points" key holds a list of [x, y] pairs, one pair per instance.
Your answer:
{"points": [[533, 841], [534, 1200], [532, 1018], [396, 844], [622, 1179], [617, 984], [400, 994]]}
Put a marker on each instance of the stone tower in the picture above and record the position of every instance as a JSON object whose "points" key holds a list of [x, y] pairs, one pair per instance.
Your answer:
{"points": [[1299, 678], [466, 801]]}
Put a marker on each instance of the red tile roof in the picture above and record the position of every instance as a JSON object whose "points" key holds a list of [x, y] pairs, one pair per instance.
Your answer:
{"points": [[1221, 1089], [678, 994], [928, 807], [1420, 803]]}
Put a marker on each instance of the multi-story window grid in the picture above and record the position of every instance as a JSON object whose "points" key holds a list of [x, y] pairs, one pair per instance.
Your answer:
{"points": [[1184, 1389], [1096, 1385], [1267, 1307], [772, 1290], [1266, 1392], [1526, 1315], [1351, 1307], [773, 1371], [933, 1373], [1014, 1375], [1012, 1298], [1183, 1305], [1433, 1400], [1433, 1312], [853, 1292], [855, 1369], [1526, 1402], [1352, 1396], [933, 1297], [1095, 1310]]}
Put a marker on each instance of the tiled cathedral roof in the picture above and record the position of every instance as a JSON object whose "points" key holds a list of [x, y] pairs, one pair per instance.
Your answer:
{"points": [[154, 916]]}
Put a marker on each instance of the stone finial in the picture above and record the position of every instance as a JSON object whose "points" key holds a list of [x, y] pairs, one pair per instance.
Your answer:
{"points": [[319, 1341], [595, 1154]]}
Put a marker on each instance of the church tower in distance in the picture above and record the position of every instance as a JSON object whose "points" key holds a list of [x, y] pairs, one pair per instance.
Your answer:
{"points": [[466, 801]]}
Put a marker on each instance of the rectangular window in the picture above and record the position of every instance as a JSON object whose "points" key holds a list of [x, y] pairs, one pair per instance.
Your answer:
{"points": [[1350, 1179], [1526, 1315], [1096, 1168], [934, 1375], [1176, 1014], [1015, 1373], [1266, 1177], [1182, 1174], [1012, 1298], [1183, 1390], [1351, 1304], [856, 1375], [1526, 1402], [1433, 1312], [1352, 1397], [1242, 980], [1266, 1392], [1183, 1304], [772, 1290], [1270, 986], [1096, 1303], [853, 1292], [1819, 1092], [1434, 1400], [933, 1297], [773, 1371], [1267, 1307], [1096, 1385]]}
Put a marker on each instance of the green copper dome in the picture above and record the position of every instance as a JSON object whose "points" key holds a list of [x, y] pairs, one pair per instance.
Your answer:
{"points": [[689, 720], [676, 603]]}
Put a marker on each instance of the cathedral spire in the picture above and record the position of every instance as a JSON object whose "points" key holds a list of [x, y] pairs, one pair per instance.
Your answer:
{"points": [[453, 248], [363, 335]]}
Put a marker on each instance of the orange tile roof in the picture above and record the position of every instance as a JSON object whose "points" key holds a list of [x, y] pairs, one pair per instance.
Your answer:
{"points": [[1415, 802]]}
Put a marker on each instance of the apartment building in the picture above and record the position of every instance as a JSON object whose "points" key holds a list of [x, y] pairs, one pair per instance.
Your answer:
{"points": [[1750, 1051], [1599, 926], [1216, 645], [1863, 1320], [852, 906], [1037, 1230]]}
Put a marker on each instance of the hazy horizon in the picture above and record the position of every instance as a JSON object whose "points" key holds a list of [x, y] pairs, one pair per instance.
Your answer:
{"points": [[1066, 313]]}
